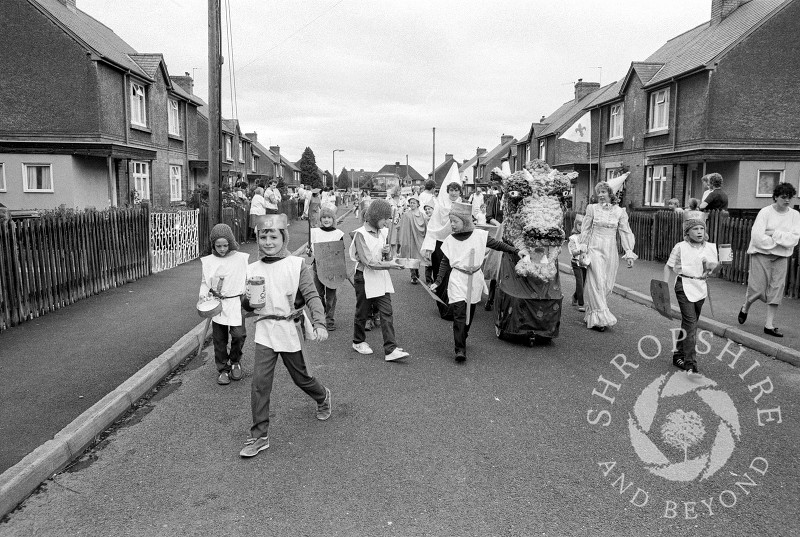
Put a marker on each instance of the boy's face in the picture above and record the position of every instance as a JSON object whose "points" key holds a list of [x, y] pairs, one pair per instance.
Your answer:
{"points": [[456, 224], [454, 194], [414, 204], [428, 211], [382, 223], [672, 205], [270, 240], [483, 208], [221, 246], [326, 221], [697, 233]]}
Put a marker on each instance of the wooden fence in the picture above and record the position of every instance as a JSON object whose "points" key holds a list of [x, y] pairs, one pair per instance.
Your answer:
{"points": [[49, 262], [657, 232]]}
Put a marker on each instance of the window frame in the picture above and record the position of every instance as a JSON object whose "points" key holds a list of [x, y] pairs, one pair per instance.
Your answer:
{"points": [[229, 148], [26, 188], [144, 193], [650, 181], [3, 185], [254, 162], [781, 174], [616, 121], [172, 185], [173, 125], [241, 151], [661, 105], [542, 155], [612, 173], [141, 99]]}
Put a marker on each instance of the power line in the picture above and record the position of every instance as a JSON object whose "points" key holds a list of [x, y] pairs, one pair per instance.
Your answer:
{"points": [[231, 63]]}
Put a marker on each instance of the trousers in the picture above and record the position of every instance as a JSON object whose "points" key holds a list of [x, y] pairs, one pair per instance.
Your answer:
{"points": [[460, 326], [219, 335], [690, 315], [364, 307]]}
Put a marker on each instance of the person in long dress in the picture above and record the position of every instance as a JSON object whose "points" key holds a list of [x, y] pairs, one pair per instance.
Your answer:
{"points": [[601, 224]]}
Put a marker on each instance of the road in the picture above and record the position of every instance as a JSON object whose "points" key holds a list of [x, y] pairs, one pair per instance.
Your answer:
{"points": [[516, 441]]}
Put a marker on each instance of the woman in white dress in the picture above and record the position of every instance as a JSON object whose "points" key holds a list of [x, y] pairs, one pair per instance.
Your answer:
{"points": [[599, 239]]}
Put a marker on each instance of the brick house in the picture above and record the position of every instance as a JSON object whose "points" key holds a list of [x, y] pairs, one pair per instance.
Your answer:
{"points": [[84, 119], [268, 164], [721, 97], [396, 174], [440, 172], [489, 160], [525, 148], [468, 170]]}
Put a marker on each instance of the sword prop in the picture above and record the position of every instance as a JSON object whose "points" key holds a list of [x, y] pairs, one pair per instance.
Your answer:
{"points": [[469, 284]]}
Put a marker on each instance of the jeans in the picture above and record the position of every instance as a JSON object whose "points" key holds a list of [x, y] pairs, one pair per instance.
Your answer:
{"points": [[460, 326], [261, 387], [328, 297], [690, 315], [220, 338], [364, 307]]}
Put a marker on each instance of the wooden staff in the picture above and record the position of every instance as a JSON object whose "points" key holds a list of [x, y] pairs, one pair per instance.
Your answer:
{"points": [[469, 283]]}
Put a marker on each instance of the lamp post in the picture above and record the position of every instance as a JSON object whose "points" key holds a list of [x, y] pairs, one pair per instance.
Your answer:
{"points": [[333, 179]]}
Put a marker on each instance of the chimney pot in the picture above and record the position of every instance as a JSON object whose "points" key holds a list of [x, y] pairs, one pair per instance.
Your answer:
{"points": [[721, 9], [480, 150], [541, 120], [582, 89]]}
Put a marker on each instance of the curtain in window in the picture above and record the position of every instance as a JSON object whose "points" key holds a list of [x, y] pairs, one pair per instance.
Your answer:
{"points": [[39, 178]]}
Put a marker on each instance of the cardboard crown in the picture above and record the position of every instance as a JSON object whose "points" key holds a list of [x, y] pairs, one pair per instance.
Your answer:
{"points": [[272, 221]]}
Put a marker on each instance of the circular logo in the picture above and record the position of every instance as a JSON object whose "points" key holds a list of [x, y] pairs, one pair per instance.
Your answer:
{"points": [[683, 428]]}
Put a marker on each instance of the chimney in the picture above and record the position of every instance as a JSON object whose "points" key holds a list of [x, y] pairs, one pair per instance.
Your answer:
{"points": [[184, 82], [582, 89], [275, 149], [448, 156], [720, 9], [362, 170], [480, 151], [69, 3], [504, 139], [465, 161], [252, 135], [541, 119]]}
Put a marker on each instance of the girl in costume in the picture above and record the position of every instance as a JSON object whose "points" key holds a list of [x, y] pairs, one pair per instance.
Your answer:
{"points": [[412, 233], [327, 232]]}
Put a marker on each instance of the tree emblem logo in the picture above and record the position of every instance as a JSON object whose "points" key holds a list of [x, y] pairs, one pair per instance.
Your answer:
{"points": [[683, 429]]}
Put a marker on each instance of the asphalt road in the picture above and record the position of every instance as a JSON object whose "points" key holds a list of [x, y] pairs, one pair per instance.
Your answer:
{"points": [[501, 445]]}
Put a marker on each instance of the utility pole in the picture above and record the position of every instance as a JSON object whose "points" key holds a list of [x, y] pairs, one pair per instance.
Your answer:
{"points": [[433, 167], [333, 174], [214, 111]]}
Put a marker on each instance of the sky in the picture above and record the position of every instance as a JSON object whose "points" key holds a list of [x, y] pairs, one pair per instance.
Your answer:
{"points": [[375, 77]]}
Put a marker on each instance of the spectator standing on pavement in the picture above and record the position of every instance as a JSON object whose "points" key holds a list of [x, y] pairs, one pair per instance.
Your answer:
{"points": [[717, 199], [693, 260], [427, 196], [477, 199], [224, 275], [372, 281], [326, 232], [577, 269], [314, 206], [674, 205], [601, 224], [258, 207], [775, 233], [281, 328], [272, 197]]}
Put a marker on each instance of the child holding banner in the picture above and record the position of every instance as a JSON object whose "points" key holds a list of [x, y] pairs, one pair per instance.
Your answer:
{"points": [[327, 232], [463, 252], [692, 259]]}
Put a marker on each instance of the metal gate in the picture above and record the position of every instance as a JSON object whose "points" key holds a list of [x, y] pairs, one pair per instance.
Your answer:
{"points": [[173, 238]]}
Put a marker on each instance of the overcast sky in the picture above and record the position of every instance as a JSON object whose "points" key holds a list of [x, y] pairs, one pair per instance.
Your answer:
{"points": [[374, 77]]}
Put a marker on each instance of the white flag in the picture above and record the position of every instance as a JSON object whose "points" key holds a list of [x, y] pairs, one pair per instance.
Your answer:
{"points": [[580, 131]]}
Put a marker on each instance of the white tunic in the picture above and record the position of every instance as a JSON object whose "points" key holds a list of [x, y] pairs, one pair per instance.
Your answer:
{"points": [[233, 268], [319, 235], [691, 264], [458, 252], [376, 282], [282, 279]]}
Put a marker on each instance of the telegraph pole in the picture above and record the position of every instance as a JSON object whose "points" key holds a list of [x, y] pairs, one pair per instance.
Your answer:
{"points": [[214, 111], [433, 167]]}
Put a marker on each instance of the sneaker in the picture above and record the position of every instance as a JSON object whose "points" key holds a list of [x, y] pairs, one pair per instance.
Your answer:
{"points": [[362, 348], [324, 408], [461, 357], [330, 327], [253, 446], [488, 306], [574, 301], [223, 378], [582, 309], [396, 355], [236, 371]]}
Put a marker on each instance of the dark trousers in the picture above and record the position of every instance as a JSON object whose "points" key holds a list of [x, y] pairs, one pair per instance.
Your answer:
{"points": [[445, 312], [328, 297], [460, 326], [364, 307], [220, 337], [429, 274], [690, 315], [492, 290], [580, 278], [261, 387]]}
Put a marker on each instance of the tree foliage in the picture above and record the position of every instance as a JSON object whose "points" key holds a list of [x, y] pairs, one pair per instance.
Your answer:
{"points": [[343, 181], [683, 430], [308, 169]]}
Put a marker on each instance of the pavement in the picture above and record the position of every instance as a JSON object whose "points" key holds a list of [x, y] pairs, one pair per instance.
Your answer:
{"points": [[66, 409]]}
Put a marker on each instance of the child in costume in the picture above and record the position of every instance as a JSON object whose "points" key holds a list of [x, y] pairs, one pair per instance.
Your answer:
{"points": [[428, 209], [465, 242], [280, 328], [224, 275], [577, 269], [327, 232], [412, 233], [372, 281], [692, 259]]}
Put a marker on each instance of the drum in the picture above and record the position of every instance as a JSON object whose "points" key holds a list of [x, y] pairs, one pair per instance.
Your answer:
{"points": [[209, 308]]}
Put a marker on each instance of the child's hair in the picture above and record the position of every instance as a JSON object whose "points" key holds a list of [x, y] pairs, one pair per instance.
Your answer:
{"points": [[454, 186], [675, 201], [576, 226], [378, 210], [694, 204], [327, 212]]}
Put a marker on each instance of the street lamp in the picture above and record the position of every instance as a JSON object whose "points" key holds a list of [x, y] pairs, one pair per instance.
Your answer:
{"points": [[333, 179]]}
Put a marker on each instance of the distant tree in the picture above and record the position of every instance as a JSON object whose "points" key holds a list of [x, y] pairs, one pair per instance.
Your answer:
{"points": [[308, 169], [343, 181], [282, 188]]}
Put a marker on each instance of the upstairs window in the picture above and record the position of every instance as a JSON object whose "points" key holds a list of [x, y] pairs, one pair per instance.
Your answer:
{"points": [[241, 152], [542, 150], [616, 121], [175, 183], [254, 164], [228, 148], [659, 110], [654, 187], [37, 178], [174, 118], [138, 105]]}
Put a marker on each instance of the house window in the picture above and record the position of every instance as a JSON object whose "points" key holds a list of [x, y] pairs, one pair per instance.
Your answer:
{"points": [[141, 179], [228, 148], [542, 148], [37, 178], [241, 152], [174, 118], [767, 181], [615, 123], [659, 110], [175, 183], [654, 187], [611, 173], [2, 177], [138, 105], [254, 164], [277, 171]]}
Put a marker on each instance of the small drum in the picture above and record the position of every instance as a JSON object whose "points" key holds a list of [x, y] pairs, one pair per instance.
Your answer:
{"points": [[256, 292], [725, 254], [209, 308]]}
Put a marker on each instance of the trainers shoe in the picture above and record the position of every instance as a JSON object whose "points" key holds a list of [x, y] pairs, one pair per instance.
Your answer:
{"points": [[461, 357], [330, 327], [582, 309], [324, 408], [397, 354], [223, 378], [253, 446], [362, 347], [236, 371]]}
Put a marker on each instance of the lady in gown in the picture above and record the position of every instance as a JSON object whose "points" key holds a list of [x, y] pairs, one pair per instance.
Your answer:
{"points": [[599, 236]]}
